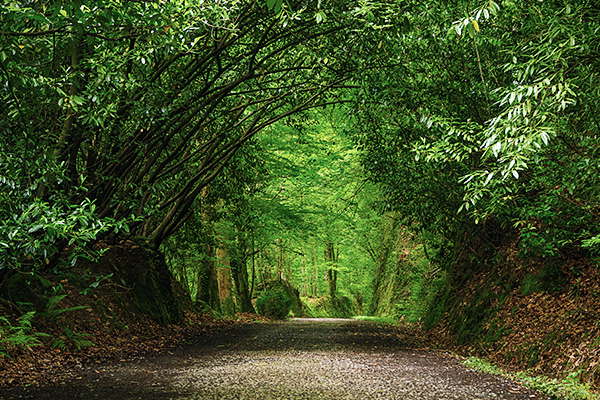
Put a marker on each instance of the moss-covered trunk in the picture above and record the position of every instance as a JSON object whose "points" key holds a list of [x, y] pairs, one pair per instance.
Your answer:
{"points": [[224, 274], [145, 271], [240, 278], [332, 272], [152, 291], [208, 283]]}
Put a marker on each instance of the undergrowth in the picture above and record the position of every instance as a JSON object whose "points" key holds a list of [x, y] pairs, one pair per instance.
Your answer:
{"points": [[274, 304], [326, 307], [19, 336], [411, 285], [568, 388], [70, 340], [383, 320]]}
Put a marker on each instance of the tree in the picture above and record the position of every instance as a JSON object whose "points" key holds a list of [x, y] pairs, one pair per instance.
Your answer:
{"points": [[238, 218], [135, 107], [486, 110], [311, 201]]}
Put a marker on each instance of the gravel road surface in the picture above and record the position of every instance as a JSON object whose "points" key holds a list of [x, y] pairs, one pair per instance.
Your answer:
{"points": [[300, 359]]}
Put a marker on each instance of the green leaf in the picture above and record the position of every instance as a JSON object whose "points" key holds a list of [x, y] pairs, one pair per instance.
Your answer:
{"points": [[406, 24], [489, 178], [471, 29], [35, 228]]}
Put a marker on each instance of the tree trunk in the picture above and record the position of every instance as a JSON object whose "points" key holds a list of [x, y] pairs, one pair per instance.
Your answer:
{"points": [[208, 283], [332, 273], [224, 274], [239, 270], [315, 273], [388, 238]]}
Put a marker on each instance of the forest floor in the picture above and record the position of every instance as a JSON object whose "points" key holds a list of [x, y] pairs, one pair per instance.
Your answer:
{"points": [[298, 359]]}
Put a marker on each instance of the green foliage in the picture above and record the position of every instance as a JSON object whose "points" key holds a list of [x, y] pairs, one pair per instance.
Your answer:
{"points": [[383, 320], [593, 244], [469, 321], [316, 307], [342, 307], [533, 283], [33, 230], [313, 202], [491, 115], [70, 340], [274, 213], [20, 336], [494, 332], [408, 283], [139, 120], [326, 307], [568, 388], [52, 311], [274, 304], [438, 307], [424, 291]]}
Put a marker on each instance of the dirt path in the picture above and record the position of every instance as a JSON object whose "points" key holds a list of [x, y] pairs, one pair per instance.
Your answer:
{"points": [[299, 359]]}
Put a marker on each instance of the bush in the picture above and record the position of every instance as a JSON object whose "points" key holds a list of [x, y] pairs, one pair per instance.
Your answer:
{"points": [[326, 307], [274, 304]]}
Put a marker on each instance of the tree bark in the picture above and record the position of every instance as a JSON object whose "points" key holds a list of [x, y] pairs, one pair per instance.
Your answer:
{"points": [[239, 270], [224, 274], [332, 274], [388, 240], [208, 283]]}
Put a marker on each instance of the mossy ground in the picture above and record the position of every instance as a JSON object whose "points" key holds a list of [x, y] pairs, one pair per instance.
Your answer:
{"points": [[326, 307]]}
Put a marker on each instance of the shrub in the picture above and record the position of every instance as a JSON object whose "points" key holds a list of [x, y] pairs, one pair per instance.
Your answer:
{"points": [[274, 304]]}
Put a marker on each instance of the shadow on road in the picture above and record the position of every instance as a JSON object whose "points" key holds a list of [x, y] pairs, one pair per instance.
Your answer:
{"points": [[297, 359]]}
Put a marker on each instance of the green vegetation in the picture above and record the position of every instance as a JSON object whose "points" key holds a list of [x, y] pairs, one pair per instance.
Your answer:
{"points": [[18, 336], [326, 307], [422, 161], [382, 320], [71, 340], [568, 388], [274, 304]]}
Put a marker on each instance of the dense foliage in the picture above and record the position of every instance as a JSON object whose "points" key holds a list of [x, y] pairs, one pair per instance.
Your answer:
{"points": [[274, 304], [371, 154], [116, 115], [488, 115]]}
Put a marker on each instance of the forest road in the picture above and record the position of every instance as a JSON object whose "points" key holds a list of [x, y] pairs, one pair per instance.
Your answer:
{"points": [[299, 359]]}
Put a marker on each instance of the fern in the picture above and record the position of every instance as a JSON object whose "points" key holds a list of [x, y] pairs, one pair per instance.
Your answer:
{"points": [[53, 313], [53, 302], [19, 336], [58, 343], [71, 338]]}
